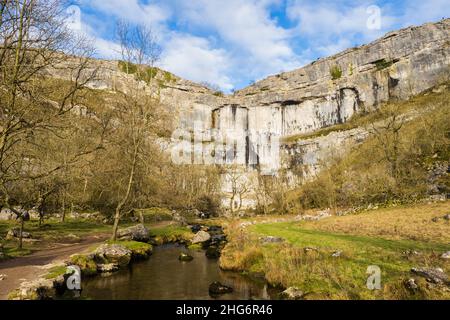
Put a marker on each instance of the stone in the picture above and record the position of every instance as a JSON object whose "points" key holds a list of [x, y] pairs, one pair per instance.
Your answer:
{"points": [[216, 288], [201, 237], [138, 233], [411, 253], [7, 215], [336, 254], [40, 289], [271, 239], [195, 228], [179, 219], [114, 253], [213, 252], [411, 284], [184, 257], [3, 277], [215, 230], [447, 217], [108, 268], [218, 239], [310, 249], [446, 255], [15, 232], [434, 275], [292, 293]]}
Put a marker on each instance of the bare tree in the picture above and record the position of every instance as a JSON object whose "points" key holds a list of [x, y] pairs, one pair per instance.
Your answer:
{"points": [[138, 110], [34, 41], [388, 136]]}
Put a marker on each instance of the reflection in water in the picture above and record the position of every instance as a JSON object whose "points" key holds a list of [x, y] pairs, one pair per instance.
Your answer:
{"points": [[164, 277]]}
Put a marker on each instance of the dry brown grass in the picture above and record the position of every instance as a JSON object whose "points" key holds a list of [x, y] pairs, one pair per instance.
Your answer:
{"points": [[412, 223]]}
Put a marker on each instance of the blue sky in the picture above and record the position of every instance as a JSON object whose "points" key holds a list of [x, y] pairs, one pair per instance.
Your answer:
{"points": [[231, 43]]}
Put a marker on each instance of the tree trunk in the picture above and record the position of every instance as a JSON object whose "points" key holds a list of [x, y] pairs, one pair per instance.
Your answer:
{"points": [[63, 216], [22, 222], [122, 203]]}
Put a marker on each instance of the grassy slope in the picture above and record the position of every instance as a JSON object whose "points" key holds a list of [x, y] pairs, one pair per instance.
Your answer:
{"points": [[377, 238], [416, 103]]}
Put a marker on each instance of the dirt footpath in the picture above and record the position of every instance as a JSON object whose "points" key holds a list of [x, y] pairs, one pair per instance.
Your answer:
{"points": [[26, 268]]}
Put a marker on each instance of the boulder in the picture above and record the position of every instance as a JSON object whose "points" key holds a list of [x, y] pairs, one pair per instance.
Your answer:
{"points": [[7, 215], [179, 218], [216, 288], [136, 233], [201, 237], [15, 232], [87, 263], [157, 241], [411, 284], [434, 275], [215, 230], [336, 254], [446, 255], [447, 217], [213, 252], [271, 239], [40, 289], [3, 277], [195, 228], [218, 239], [107, 268], [184, 257], [114, 253], [292, 293]]}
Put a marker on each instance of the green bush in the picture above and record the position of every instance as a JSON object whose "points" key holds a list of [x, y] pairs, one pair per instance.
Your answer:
{"points": [[336, 72]]}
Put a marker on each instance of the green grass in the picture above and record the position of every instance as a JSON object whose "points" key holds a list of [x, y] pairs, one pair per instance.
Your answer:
{"points": [[156, 214], [347, 273], [172, 233], [56, 272], [359, 245], [133, 245]]}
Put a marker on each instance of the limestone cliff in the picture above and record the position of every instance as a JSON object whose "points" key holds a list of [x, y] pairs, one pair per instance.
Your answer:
{"points": [[324, 93]]}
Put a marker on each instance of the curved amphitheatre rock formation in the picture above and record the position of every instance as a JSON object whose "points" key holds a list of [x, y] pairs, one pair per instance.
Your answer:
{"points": [[401, 64]]}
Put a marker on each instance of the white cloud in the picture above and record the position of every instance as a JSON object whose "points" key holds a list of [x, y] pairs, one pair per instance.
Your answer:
{"points": [[133, 10], [193, 58], [258, 44]]}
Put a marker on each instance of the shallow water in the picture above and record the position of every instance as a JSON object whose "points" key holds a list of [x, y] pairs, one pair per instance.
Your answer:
{"points": [[164, 277]]}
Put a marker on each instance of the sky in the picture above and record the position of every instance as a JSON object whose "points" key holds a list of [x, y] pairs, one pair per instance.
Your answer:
{"points": [[232, 43]]}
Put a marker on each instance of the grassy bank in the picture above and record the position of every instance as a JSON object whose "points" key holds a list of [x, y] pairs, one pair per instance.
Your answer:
{"points": [[383, 238]]}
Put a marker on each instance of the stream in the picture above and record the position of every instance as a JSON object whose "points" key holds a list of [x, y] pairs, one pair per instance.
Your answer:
{"points": [[164, 277]]}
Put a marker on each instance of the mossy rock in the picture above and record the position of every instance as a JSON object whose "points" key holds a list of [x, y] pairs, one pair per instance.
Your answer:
{"points": [[87, 264], [184, 257], [157, 241], [139, 250], [195, 247]]}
